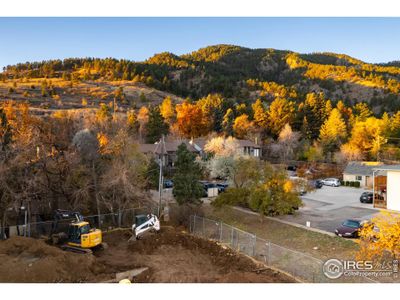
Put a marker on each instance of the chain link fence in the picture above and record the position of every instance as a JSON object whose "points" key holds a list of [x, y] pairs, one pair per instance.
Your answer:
{"points": [[122, 219], [302, 266]]}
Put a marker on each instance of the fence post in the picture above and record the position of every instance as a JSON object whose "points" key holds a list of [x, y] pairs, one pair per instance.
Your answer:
{"points": [[254, 245], [220, 231], [268, 256], [194, 224], [204, 232], [232, 238]]}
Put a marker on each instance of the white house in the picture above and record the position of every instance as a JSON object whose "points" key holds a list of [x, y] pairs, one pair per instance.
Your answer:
{"points": [[387, 187], [360, 171]]}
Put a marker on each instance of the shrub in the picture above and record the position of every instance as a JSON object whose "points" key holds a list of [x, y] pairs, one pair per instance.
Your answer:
{"points": [[357, 184], [352, 183]]}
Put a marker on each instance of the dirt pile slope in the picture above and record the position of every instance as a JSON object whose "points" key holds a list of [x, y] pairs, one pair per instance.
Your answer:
{"points": [[29, 260], [174, 256], [170, 256]]}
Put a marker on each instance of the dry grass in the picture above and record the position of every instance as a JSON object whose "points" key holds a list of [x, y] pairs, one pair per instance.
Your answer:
{"points": [[286, 235]]}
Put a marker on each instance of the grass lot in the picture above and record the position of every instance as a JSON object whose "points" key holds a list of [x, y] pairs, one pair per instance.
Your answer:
{"points": [[285, 235]]}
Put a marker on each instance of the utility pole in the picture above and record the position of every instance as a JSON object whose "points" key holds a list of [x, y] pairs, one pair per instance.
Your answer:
{"points": [[160, 179]]}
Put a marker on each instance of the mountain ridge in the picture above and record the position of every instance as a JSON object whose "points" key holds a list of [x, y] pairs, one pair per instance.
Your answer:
{"points": [[227, 70]]}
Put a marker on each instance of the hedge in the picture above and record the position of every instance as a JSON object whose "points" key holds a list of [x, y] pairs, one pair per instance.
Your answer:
{"points": [[351, 183]]}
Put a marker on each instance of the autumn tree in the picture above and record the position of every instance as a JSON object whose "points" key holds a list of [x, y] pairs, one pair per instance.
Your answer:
{"points": [[167, 110], [332, 132], [243, 127], [228, 121], [5, 132], [104, 114], [123, 182], [212, 108], [280, 113], [260, 115], [288, 142], [143, 118], [190, 120], [221, 146], [380, 239], [362, 111], [258, 186], [367, 138], [87, 145], [132, 121]]}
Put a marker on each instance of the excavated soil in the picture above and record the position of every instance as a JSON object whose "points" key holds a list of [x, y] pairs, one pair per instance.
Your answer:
{"points": [[170, 256]]}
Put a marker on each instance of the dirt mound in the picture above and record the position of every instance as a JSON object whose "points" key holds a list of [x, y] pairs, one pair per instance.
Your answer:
{"points": [[170, 256], [219, 255], [116, 237], [176, 256], [30, 260]]}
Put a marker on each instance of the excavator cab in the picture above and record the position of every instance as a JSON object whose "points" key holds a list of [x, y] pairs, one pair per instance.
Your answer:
{"points": [[81, 235]]}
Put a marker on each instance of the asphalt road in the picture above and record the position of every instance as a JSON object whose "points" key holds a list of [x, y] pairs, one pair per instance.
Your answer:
{"points": [[328, 207]]}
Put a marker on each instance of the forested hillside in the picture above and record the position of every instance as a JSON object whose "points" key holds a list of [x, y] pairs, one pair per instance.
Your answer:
{"points": [[238, 73]]}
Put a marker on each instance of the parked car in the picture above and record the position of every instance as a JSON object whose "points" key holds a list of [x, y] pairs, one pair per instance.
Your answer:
{"points": [[331, 182], [222, 187], [350, 228], [292, 168], [168, 183], [366, 197], [317, 184]]}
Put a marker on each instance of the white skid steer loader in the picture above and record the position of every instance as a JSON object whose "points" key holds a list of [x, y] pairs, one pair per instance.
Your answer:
{"points": [[145, 224]]}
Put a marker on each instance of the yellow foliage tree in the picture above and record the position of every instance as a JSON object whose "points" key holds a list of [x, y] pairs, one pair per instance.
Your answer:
{"points": [[259, 114], [167, 110], [280, 113], [367, 137], [143, 119], [381, 238], [333, 131], [242, 126]]}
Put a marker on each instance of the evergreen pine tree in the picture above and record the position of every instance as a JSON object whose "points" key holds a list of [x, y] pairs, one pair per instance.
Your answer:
{"points": [[187, 189], [156, 125]]}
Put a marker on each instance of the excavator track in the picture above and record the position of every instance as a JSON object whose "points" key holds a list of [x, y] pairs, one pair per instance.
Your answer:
{"points": [[76, 249]]}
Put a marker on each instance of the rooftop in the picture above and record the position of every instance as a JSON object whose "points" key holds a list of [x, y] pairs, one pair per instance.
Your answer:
{"points": [[364, 168]]}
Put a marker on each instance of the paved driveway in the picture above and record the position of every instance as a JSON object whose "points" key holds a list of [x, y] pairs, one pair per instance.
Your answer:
{"points": [[328, 207]]}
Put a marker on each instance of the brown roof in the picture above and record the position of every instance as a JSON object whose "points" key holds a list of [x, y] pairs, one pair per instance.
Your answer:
{"points": [[147, 148], [247, 143]]}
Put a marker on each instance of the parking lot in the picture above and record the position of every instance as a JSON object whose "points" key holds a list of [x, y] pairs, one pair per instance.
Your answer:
{"points": [[328, 207]]}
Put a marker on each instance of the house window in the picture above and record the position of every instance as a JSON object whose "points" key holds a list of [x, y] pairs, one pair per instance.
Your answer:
{"points": [[256, 152], [359, 178]]}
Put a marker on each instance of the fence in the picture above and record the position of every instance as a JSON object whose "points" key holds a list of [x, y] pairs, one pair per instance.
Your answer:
{"points": [[124, 218], [300, 265]]}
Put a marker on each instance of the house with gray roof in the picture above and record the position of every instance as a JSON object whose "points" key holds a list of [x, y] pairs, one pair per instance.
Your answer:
{"points": [[361, 171]]}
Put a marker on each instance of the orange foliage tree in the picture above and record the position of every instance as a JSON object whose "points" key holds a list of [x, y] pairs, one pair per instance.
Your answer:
{"points": [[190, 121], [243, 126]]}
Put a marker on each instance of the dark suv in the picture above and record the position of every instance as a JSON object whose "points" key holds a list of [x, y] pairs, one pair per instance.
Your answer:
{"points": [[366, 197]]}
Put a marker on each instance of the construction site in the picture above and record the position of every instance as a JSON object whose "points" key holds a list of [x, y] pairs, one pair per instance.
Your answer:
{"points": [[169, 256]]}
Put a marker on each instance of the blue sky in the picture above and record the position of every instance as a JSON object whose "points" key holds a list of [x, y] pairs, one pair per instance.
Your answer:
{"points": [[29, 39]]}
